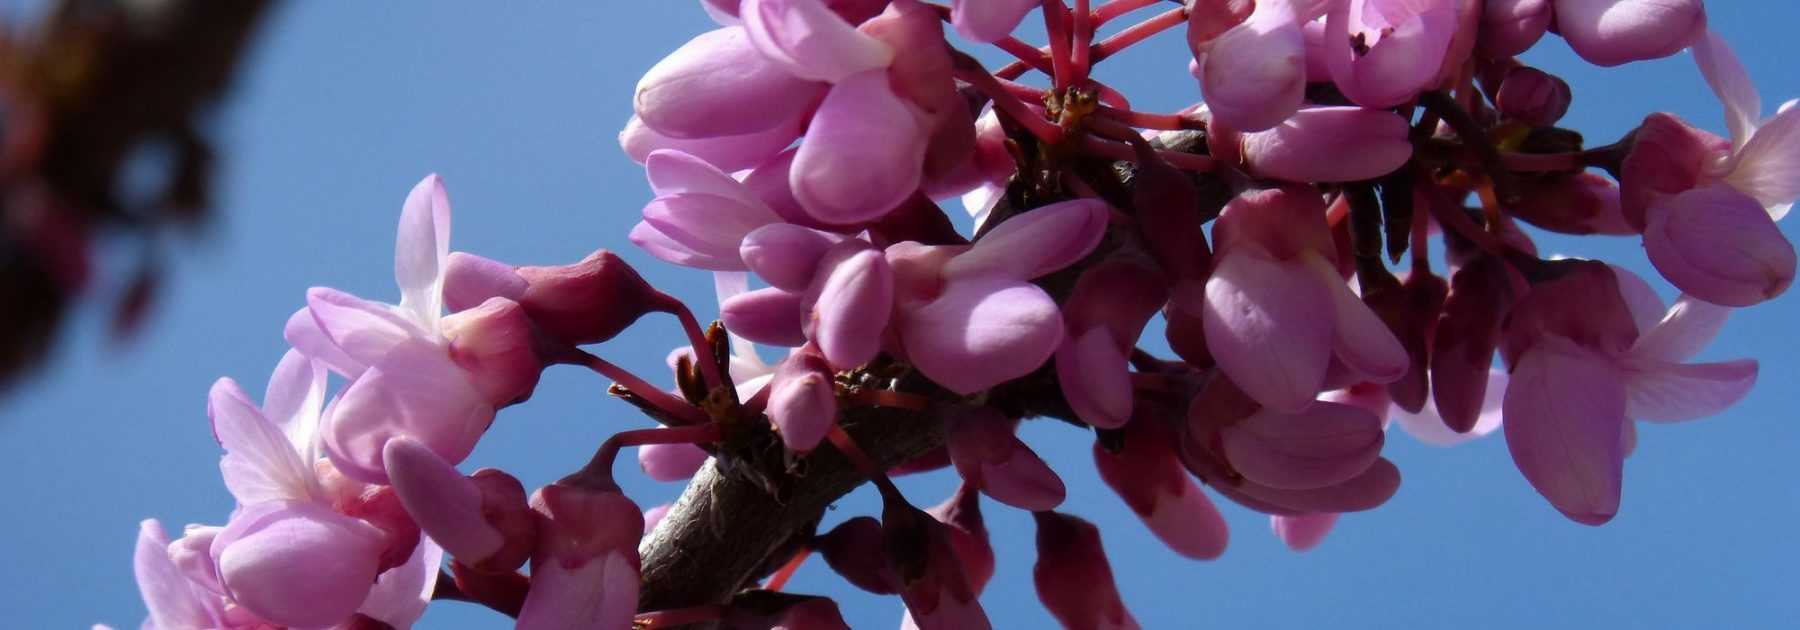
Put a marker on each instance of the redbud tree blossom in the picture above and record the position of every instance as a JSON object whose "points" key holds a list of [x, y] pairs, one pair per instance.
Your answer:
{"points": [[1334, 234]]}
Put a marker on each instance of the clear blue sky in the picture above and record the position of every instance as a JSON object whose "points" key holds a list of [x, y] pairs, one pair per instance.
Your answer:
{"points": [[346, 105]]}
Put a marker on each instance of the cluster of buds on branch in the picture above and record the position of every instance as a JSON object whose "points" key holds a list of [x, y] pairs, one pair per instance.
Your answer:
{"points": [[806, 144]]}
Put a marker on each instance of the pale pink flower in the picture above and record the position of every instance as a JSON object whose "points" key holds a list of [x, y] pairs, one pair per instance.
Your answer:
{"points": [[1383, 53], [1588, 354], [1613, 32]]}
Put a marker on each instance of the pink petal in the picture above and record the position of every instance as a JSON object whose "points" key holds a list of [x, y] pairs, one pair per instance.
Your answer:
{"points": [[601, 593], [415, 392], [1731, 83], [1147, 474], [810, 41], [1254, 75], [1095, 378], [981, 332], [769, 315], [846, 310], [1768, 167], [260, 463], [1263, 327], [298, 563], [717, 84], [1675, 392], [1364, 492], [729, 153], [1326, 445], [1304, 147], [1690, 325], [420, 250], [1360, 339], [986, 21], [651, 239], [861, 155], [1564, 409], [1719, 245], [365, 331], [1613, 32], [1645, 305], [786, 255], [304, 334], [671, 462], [1510, 27], [165, 589], [470, 280], [709, 225], [1401, 60], [445, 504], [1302, 532], [674, 173], [294, 397], [1037, 242], [400, 594]]}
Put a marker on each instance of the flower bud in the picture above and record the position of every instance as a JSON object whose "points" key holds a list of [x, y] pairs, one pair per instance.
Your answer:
{"points": [[590, 301], [481, 520], [1614, 32], [1073, 578], [297, 563], [854, 550], [991, 457], [1533, 97], [1719, 245], [803, 400], [470, 280], [717, 84], [584, 572]]}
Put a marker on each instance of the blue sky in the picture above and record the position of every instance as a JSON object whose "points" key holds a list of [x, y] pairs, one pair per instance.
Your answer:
{"points": [[346, 105]]}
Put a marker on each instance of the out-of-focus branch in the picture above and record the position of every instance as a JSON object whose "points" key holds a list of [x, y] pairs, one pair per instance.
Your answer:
{"points": [[80, 95]]}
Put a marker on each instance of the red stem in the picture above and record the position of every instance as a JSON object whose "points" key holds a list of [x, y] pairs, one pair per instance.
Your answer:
{"points": [[1006, 102], [1107, 12], [787, 571], [1056, 25], [1139, 32], [1082, 39], [662, 400], [1035, 58], [1149, 120], [598, 471], [703, 355]]}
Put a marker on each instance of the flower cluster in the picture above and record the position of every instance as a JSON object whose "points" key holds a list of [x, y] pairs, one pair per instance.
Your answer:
{"points": [[805, 145]]}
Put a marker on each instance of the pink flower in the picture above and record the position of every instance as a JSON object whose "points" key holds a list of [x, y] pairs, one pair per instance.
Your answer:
{"points": [[1765, 154], [1510, 27], [1613, 32], [1254, 74], [1105, 315], [584, 572], [414, 372], [1383, 53], [1275, 311], [968, 317], [1588, 354], [1719, 245], [1302, 532], [480, 519], [810, 41], [803, 400]]}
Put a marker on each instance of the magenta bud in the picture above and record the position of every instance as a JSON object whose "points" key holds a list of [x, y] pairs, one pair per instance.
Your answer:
{"points": [[470, 280], [768, 315], [1533, 97], [802, 400], [481, 520], [495, 343], [1073, 577], [854, 550], [584, 571], [991, 457], [590, 301], [1462, 347], [786, 255]]}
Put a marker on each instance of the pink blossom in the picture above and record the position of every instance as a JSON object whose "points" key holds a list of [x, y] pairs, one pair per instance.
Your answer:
{"points": [[584, 572], [1383, 53], [1588, 355], [1148, 476], [700, 90], [1510, 27], [403, 360], [481, 519], [1302, 532], [1105, 315], [988, 20], [1302, 148], [1254, 74], [803, 400], [1275, 311]]}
